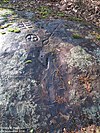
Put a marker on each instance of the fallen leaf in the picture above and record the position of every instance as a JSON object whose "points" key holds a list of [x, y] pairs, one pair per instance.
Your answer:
{"points": [[69, 82]]}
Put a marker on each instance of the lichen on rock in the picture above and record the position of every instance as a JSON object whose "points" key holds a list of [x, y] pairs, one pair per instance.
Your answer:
{"points": [[97, 53], [78, 57]]}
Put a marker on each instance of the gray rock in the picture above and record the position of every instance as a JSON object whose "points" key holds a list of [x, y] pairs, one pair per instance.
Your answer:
{"points": [[44, 82]]}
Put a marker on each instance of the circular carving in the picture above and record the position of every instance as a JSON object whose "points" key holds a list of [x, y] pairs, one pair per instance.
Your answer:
{"points": [[32, 37]]}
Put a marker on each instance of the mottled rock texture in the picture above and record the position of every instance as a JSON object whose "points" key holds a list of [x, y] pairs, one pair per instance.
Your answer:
{"points": [[49, 78]]}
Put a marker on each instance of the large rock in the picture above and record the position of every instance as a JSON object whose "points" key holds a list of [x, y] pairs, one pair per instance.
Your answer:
{"points": [[49, 79]]}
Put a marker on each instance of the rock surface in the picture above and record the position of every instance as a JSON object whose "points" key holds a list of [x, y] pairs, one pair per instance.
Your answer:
{"points": [[49, 74]]}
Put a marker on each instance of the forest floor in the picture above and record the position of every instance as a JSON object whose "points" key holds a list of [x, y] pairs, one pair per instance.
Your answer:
{"points": [[88, 11]]}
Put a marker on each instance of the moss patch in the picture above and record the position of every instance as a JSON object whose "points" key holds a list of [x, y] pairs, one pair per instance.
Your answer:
{"points": [[5, 12], [75, 19], [3, 32], [28, 61], [98, 37], [77, 36], [11, 29], [15, 30], [5, 26], [44, 11], [5, 1], [60, 14]]}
